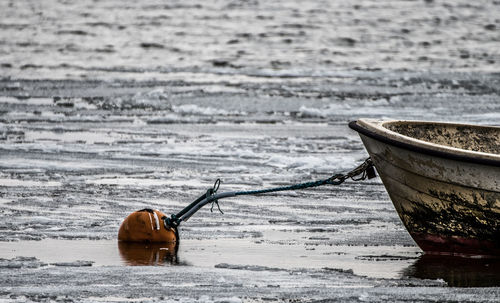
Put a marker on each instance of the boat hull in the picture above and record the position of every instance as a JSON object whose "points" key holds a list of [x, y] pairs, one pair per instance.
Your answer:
{"points": [[447, 206]]}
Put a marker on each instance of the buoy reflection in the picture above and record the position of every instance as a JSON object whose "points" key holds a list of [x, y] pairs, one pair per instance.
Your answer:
{"points": [[152, 254], [457, 271]]}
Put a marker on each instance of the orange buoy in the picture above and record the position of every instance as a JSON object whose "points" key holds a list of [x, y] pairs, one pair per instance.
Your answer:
{"points": [[146, 225]]}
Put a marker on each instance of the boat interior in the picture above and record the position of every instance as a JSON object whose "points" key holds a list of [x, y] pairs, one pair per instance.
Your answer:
{"points": [[474, 138]]}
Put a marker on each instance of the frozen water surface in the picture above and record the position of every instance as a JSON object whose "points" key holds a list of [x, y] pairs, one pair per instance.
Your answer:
{"points": [[107, 107]]}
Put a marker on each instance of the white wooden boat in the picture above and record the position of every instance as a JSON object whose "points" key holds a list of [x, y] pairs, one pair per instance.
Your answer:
{"points": [[443, 179]]}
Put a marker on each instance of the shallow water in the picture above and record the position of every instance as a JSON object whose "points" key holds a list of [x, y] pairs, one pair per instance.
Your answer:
{"points": [[375, 262], [380, 262], [112, 106]]}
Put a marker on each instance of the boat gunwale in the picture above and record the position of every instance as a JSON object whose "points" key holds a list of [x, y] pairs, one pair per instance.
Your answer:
{"points": [[424, 147]]}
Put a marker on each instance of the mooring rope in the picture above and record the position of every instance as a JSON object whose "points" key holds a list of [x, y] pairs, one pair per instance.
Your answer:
{"points": [[365, 170]]}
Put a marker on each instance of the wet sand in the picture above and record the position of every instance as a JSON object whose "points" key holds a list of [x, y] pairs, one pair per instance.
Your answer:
{"points": [[109, 107]]}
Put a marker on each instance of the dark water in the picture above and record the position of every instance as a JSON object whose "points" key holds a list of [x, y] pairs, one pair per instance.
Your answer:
{"points": [[107, 107], [457, 271]]}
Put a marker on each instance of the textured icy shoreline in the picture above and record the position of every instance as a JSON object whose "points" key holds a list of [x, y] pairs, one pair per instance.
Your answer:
{"points": [[223, 284], [111, 106], [74, 167]]}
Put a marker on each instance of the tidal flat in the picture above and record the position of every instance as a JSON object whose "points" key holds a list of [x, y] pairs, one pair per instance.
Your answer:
{"points": [[114, 106]]}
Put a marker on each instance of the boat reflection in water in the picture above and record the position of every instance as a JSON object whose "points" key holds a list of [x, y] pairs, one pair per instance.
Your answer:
{"points": [[142, 254], [457, 271]]}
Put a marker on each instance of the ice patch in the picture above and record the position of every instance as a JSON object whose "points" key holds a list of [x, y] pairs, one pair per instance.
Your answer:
{"points": [[81, 104], [339, 270], [248, 267], [233, 169], [231, 300], [320, 162], [306, 112], [193, 109], [21, 262], [50, 114], [36, 164], [222, 89], [31, 101], [16, 115], [138, 121], [145, 182], [4, 201], [78, 263], [28, 183], [172, 119], [121, 299], [156, 99], [352, 107], [128, 181], [84, 136]]}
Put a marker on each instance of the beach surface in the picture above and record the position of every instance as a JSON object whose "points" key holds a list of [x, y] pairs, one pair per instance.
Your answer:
{"points": [[107, 107]]}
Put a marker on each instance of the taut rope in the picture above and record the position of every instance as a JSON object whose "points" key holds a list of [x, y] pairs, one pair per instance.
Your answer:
{"points": [[365, 170]]}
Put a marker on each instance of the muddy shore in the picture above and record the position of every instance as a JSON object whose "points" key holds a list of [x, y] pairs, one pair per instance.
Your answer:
{"points": [[112, 106]]}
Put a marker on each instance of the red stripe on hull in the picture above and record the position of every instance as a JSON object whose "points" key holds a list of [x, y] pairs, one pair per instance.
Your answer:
{"points": [[435, 244]]}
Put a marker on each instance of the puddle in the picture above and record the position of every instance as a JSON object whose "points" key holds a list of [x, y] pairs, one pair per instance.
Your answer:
{"points": [[56, 251], [212, 253], [242, 254]]}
